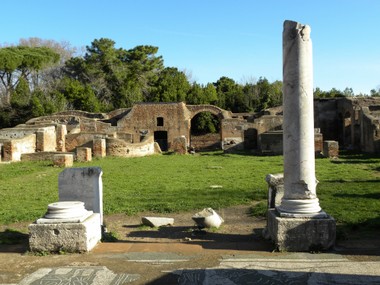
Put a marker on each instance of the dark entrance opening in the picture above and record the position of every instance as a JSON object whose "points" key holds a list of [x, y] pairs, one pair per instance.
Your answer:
{"points": [[205, 132], [161, 137]]}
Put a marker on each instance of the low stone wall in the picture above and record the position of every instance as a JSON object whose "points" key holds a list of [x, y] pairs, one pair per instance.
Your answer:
{"points": [[45, 135], [13, 149], [117, 147], [42, 156], [272, 142]]}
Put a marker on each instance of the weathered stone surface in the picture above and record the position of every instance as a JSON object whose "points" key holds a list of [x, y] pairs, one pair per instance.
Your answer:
{"points": [[179, 145], [301, 234], [208, 218], [13, 149], [331, 149], [70, 237], [118, 147], [84, 154], [157, 221], [82, 184], [275, 189], [64, 212], [299, 156], [46, 139], [271, 142], [61, 137], [99, 147], [41, 156], [63, 160], [84, 275]]}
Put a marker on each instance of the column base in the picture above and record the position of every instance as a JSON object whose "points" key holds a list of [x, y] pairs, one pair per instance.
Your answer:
{"points": [[300, 206], [300, 234]]}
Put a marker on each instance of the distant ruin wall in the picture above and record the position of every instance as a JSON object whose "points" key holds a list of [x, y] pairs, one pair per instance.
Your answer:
{"points": [[117, 147], [173, 118], [79, 139], [13, 149], [268, 123], [370, 132], [272, 142], [42, 156], [93, 126], [326, 118]]}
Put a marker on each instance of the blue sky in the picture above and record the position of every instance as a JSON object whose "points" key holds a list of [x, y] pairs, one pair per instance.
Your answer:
{"points": [[240, 39]]}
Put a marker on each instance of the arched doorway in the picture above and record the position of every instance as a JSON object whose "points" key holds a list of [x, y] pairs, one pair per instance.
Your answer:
{"points": [[205, 132]]}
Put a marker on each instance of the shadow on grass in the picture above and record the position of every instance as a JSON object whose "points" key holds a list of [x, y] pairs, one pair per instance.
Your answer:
{"points": [[13, 241], [349, 157], [355, 195], [352, 181], [354, 161]]}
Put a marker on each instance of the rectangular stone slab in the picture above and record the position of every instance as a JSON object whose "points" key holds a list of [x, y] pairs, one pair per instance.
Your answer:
{"points": [[82, 184], [70, 237]]}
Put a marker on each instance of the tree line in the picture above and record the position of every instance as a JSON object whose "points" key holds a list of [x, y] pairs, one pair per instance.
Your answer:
{"points": [[39, 77]]}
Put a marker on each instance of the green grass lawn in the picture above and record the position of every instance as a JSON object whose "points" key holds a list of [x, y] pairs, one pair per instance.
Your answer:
{"points": [[348, 189]]}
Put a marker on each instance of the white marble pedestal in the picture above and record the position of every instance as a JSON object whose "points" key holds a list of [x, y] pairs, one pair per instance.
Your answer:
{"points": [[60, 229]]}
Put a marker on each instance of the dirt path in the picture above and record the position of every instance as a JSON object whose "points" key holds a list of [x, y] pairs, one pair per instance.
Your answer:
{"points": [[240, 234]]}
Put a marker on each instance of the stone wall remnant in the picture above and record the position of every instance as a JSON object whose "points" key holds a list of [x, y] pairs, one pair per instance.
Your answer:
{"points": [[13, 149], [331, 149], [99, 147], [117, 147], [63, 160], [179, 145], [84, 154]]}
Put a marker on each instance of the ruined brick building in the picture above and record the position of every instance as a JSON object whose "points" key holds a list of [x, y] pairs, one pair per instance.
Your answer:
{"points": [[353, 122]]}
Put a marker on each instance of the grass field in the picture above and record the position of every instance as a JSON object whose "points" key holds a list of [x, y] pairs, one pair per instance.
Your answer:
{"points": [[349, 187]]}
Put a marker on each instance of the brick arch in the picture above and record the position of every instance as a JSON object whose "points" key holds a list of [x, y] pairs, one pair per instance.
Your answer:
{"points": [[219, 112]]}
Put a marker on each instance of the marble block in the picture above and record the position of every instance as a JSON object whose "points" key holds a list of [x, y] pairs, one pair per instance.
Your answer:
{"points": [[157, 221], [68, 237]]}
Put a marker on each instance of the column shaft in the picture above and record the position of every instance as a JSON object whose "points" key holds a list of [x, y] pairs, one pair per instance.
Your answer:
{"points": [[298, 142]]}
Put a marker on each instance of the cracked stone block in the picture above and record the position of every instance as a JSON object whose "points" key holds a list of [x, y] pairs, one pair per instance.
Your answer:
{"points": [[63, 160], [157, 221]]}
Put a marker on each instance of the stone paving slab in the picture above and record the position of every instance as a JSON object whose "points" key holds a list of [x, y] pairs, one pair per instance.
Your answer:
{"points": [[255, 268], [93, 275]]}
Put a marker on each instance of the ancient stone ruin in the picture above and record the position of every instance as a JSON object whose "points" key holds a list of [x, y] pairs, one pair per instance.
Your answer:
{"points": [[149, 128]]}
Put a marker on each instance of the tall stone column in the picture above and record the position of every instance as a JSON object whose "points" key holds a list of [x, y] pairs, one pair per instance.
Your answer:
{"points": [[298, 140], [298, 223]]}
